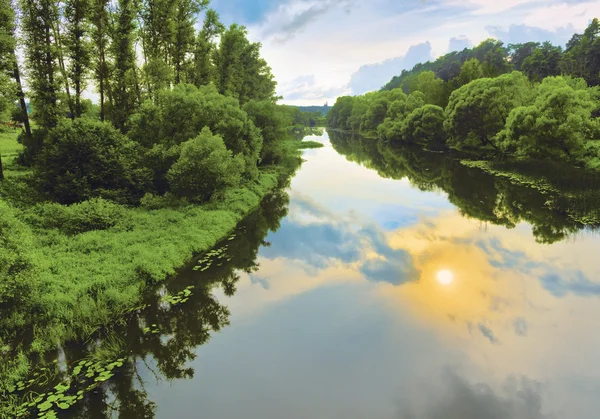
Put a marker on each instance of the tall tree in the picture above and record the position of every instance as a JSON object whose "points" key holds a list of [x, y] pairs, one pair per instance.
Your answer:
{"points": [[543, 62], [582, 56], [202, 70], [100, 41], [9, 65], [41, 56], [77, 14], [183, 42], [241, 72], [157, 31], [126, 91]]}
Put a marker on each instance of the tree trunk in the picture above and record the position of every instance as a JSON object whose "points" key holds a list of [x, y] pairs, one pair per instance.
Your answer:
{"points": [[1, 171], [63, 70], [21, 96]]}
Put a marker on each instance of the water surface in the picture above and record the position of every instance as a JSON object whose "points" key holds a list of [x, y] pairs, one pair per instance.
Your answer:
{"points": [[383, 284]]}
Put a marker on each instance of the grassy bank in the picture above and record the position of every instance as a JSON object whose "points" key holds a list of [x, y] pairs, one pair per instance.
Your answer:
{"points": [[93, 262]]}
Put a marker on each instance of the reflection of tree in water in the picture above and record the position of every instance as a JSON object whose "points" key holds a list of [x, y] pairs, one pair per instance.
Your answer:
{"points": [[182, 328], [493, 199]]}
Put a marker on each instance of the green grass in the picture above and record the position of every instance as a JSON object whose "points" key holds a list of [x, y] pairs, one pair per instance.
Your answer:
{"points": [[8, 144]]}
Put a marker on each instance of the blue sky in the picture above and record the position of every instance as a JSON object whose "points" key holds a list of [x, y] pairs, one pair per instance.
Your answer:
{"points": [[319, 50]]}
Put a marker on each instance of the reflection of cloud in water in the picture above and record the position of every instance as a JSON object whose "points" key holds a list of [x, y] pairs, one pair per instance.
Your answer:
{"points": [[319, 238], [456, 398]]}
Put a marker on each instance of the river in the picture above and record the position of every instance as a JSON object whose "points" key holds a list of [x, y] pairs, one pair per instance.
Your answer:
{"points": [[376, 286]]}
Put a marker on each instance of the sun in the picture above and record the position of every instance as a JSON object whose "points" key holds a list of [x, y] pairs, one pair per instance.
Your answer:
{"points": [[445, 277]]}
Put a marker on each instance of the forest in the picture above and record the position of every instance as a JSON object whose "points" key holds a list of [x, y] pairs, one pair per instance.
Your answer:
{"points": [[525, 102], [101, 200]]}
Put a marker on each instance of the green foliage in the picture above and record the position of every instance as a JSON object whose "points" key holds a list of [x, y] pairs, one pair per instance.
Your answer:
{"points": [[241, 72], [425, 126], [95, 214], [205, 167], [273, 121], [18, 272], [38, 20], [582, 55], [470, 70], [180, 114], [557, 126], [477, 111], [433, 88], [543, 62], [85, 159]]}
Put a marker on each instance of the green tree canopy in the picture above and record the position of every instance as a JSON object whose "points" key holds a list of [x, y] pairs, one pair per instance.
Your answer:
{"points": [[477, 112], [205, 167], [556, 126]]}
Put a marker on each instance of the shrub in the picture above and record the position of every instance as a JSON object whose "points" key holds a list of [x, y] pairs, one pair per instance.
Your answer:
{"points": [[95, 214], [205, 166], [83, 159]]}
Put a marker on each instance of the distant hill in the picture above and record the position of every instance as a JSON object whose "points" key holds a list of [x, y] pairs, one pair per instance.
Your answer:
{"points": [[312, 109]]}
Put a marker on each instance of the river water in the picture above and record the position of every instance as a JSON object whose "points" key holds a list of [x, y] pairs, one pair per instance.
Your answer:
{"points": [[379, 285]]}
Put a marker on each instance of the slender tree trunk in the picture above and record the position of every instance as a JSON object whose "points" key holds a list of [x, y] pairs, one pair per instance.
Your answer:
{"points": [[21, 96], [63, 70], [1, 171], [50, 69]]}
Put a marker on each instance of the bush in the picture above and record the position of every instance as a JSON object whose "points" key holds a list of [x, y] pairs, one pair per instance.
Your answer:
{"points": [[205, 166], [95, 214], [83, 159]]}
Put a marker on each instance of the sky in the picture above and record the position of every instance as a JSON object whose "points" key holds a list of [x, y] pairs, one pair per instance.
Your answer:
{"points": [[322, 49]]}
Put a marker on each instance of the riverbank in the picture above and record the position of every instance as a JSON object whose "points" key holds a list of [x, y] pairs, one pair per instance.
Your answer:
{"points": [[83, 280]]}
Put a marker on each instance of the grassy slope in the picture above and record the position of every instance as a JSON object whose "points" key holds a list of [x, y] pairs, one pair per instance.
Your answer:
{"points": [[88, 280]]}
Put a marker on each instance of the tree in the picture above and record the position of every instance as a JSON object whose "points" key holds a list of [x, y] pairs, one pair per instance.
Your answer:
{"points": [[273, 123], [100, 41], [241, 73], [183, 43], [470, 70], [39, 16], [425, 125], [77, 42], [518, 53], [202, 71], [9, 66], [83, 159], [477, 111], [582, 56], [556, 126], [543, 62], [205, 167], [433, 88], [126, 91]]}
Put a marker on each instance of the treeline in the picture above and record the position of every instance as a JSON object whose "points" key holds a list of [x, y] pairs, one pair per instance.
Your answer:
{"points": [[580, 58], [540, 112], [180, 110]]}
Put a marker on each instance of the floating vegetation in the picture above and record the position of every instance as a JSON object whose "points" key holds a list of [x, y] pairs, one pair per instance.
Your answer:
{"points": [[179, 298], [85, 377], [213, 256]]}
